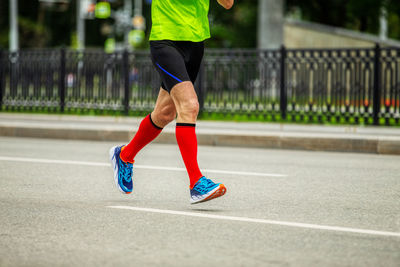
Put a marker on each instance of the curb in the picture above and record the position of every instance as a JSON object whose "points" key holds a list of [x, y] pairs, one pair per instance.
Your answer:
{"points": [[388, 145]]}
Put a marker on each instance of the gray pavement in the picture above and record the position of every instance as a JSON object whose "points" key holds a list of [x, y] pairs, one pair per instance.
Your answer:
{"points": [[377, 140], [57, 214]]}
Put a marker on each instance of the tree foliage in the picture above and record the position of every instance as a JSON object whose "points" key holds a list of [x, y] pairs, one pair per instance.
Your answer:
{"points": [[233, 28], [359, 15]]}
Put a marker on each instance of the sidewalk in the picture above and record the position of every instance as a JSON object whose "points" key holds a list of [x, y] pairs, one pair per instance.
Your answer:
{"points": [[380, 140]]}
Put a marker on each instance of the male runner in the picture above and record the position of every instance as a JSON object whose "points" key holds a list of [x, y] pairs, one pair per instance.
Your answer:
{"points": [[179, 28]]}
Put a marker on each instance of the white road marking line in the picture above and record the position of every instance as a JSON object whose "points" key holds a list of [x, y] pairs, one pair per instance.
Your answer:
{"points": [[103, 164], [252, 220], [212, 171]]}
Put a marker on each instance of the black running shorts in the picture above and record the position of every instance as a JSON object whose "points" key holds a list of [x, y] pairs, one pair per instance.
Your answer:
{"points": [[176, 61]]}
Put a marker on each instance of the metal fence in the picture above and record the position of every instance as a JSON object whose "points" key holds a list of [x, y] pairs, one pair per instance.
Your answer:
{"points": [[307, 85]]}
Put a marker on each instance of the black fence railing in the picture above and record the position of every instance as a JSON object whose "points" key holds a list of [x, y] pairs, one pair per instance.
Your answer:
{"points": [[301, 85]]}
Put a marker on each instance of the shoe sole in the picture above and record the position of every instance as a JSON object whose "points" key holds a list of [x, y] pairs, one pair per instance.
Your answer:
{"points": [[114, 167], [217, 192]]}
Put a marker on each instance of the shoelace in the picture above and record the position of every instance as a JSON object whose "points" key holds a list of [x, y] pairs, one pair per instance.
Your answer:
{"points": [[126, 170]]}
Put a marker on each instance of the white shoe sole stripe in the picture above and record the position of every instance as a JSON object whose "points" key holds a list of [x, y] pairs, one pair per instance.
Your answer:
{"points": [[193, 201]]}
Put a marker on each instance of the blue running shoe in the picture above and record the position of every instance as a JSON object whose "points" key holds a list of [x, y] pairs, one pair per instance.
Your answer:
{"points": [[122, 171], [205, 190]]}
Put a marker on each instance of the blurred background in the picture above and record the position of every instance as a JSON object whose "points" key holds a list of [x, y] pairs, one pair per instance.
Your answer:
{"points": [[299, 118], [306, 61]]}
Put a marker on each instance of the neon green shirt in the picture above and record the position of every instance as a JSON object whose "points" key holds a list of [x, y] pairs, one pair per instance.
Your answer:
{"points": [[180, 20]]}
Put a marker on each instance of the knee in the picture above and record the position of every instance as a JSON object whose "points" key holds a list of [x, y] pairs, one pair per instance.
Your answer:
{"points": [[190, 108]]}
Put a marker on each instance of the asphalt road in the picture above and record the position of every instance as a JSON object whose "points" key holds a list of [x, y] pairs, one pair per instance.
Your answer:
{"points": [[59, 207]]}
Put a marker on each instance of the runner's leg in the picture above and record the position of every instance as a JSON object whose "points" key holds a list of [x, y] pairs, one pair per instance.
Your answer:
{"points": [[151, 126], [187, 106], [178, 64]]}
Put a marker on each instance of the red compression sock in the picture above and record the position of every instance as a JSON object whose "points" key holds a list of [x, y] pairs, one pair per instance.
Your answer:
{"points": [[146, 133], [187, 142]]}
